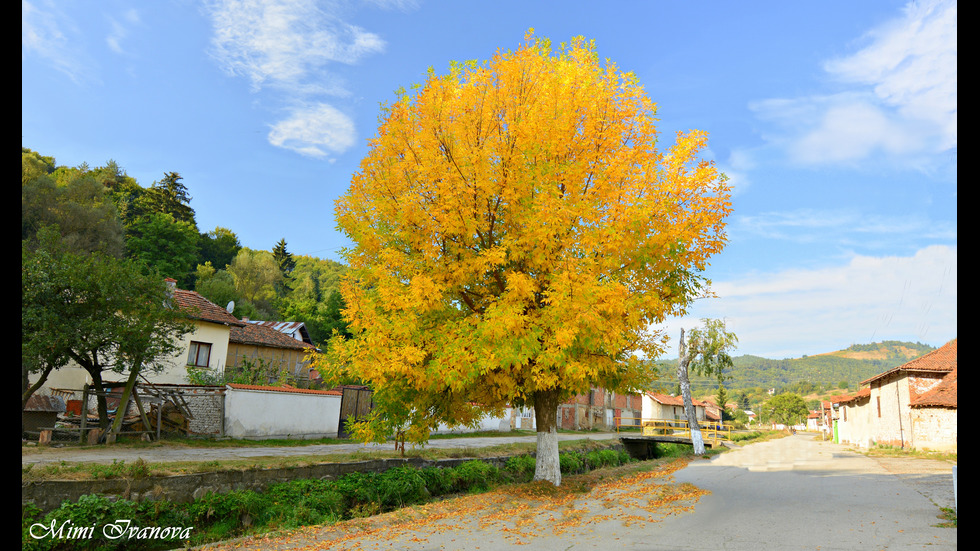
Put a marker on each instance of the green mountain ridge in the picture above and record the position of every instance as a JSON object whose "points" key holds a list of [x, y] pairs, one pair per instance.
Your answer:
{"points": [[842, 370]]}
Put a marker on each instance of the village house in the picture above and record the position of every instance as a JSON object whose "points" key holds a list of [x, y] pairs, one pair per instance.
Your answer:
{"points": [[814, 421], [663, 406], [910, 406], [294, 329], [854, 423], [206, 346], [934, 416], [271, 353], [714, 412], [600, 409]]}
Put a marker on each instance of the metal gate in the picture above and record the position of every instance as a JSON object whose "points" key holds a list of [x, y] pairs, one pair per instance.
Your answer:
{"points": [[356, 402]]}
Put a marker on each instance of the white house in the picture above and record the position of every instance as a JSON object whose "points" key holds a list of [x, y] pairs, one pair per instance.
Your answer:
{"points": [[205, 346], [663, 406]]}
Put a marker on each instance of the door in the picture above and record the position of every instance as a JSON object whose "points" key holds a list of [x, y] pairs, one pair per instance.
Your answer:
{"points": [[356, 402]]}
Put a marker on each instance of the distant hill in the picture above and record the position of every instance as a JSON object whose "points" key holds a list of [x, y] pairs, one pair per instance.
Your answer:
{"points": [[806, 375]]}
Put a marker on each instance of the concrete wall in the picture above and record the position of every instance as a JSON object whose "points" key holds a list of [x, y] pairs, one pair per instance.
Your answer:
{"points": [[487, 423], [48, 495], [261, 414]]}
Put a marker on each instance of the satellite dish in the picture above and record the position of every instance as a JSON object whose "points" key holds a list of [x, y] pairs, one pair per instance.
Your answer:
{"points": [[231, 306]]}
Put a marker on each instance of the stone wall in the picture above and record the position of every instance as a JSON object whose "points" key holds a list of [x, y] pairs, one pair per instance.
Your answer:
{"points": [[49, 495], [934, 428]]}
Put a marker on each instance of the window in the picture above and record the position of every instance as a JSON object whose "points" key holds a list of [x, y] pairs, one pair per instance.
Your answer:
{"points": [[199, 354], [878, 399]]}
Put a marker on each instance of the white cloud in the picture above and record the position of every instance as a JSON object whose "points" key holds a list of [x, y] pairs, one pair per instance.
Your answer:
{"points": [[844, 226], [400, 5], [285, 43], [120, 30], [289, 46], [49, 34], [795, 312], [910, 64], [313, 131], [901, 101]]}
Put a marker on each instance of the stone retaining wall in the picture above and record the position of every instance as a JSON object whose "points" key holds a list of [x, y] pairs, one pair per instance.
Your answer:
{"points": [[49, 494]]}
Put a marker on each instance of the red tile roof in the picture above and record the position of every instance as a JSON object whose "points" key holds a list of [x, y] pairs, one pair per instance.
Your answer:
{"points": [[200, 308], [942, 359], [673, 400], [863, 393], [942, 395], [263, 335], [839, 398], [288, 389]]}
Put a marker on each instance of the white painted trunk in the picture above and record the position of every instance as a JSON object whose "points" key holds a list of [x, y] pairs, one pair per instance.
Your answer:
{"points": [[692, 417], [547, 466]]}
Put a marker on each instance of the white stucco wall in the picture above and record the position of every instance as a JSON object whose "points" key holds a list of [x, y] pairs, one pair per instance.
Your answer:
{"points": [[174, 372], [653, 409], [934, 428], [487, 423], [262, 414], [859, 427]]}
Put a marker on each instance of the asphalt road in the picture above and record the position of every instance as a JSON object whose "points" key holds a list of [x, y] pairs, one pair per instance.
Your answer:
{"points": [[787, 494]]}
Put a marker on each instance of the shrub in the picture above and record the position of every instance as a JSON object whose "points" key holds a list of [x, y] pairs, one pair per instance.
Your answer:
{"points": [[90, 512], [476, 476], [303, 502], [521, 467], [401, 486], [571, 462], [598, 459], [439, 481]]}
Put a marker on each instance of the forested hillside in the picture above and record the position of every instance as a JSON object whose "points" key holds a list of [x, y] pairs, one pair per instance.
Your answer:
{"points": [[104, 211], [837, 372]]}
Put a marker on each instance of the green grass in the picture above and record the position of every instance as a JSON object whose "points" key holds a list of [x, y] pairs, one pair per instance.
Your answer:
{"points": [[881, 450], [120, 469], [948, 516]]}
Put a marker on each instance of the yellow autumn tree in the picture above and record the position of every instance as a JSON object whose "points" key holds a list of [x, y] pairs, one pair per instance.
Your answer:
{"points": [[516, 233]]}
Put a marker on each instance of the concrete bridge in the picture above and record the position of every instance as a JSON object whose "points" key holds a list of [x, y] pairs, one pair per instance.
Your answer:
{"points": [[673, 431]]}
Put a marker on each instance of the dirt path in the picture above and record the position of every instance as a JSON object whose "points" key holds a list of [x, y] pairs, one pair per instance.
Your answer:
{"points": [[108, 454]]}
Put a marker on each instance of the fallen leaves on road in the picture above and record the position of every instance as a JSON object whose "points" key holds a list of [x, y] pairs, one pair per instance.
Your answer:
{"points": [[519, 513]]}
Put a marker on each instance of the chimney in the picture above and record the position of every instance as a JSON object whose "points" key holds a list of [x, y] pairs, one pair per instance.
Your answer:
{"points": [[171, 283]]}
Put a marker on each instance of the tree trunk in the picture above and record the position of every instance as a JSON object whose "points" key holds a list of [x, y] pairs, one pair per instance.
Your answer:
{"points": [[692, 418], [29, 390], [547, 466], [123, 405], [100, 398]]}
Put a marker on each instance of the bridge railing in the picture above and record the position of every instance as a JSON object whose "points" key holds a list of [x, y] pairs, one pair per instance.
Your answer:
{"points": [[675, 427]]}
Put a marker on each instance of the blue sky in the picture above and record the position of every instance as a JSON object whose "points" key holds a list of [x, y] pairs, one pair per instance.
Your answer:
{"points": [[835, 120]]}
